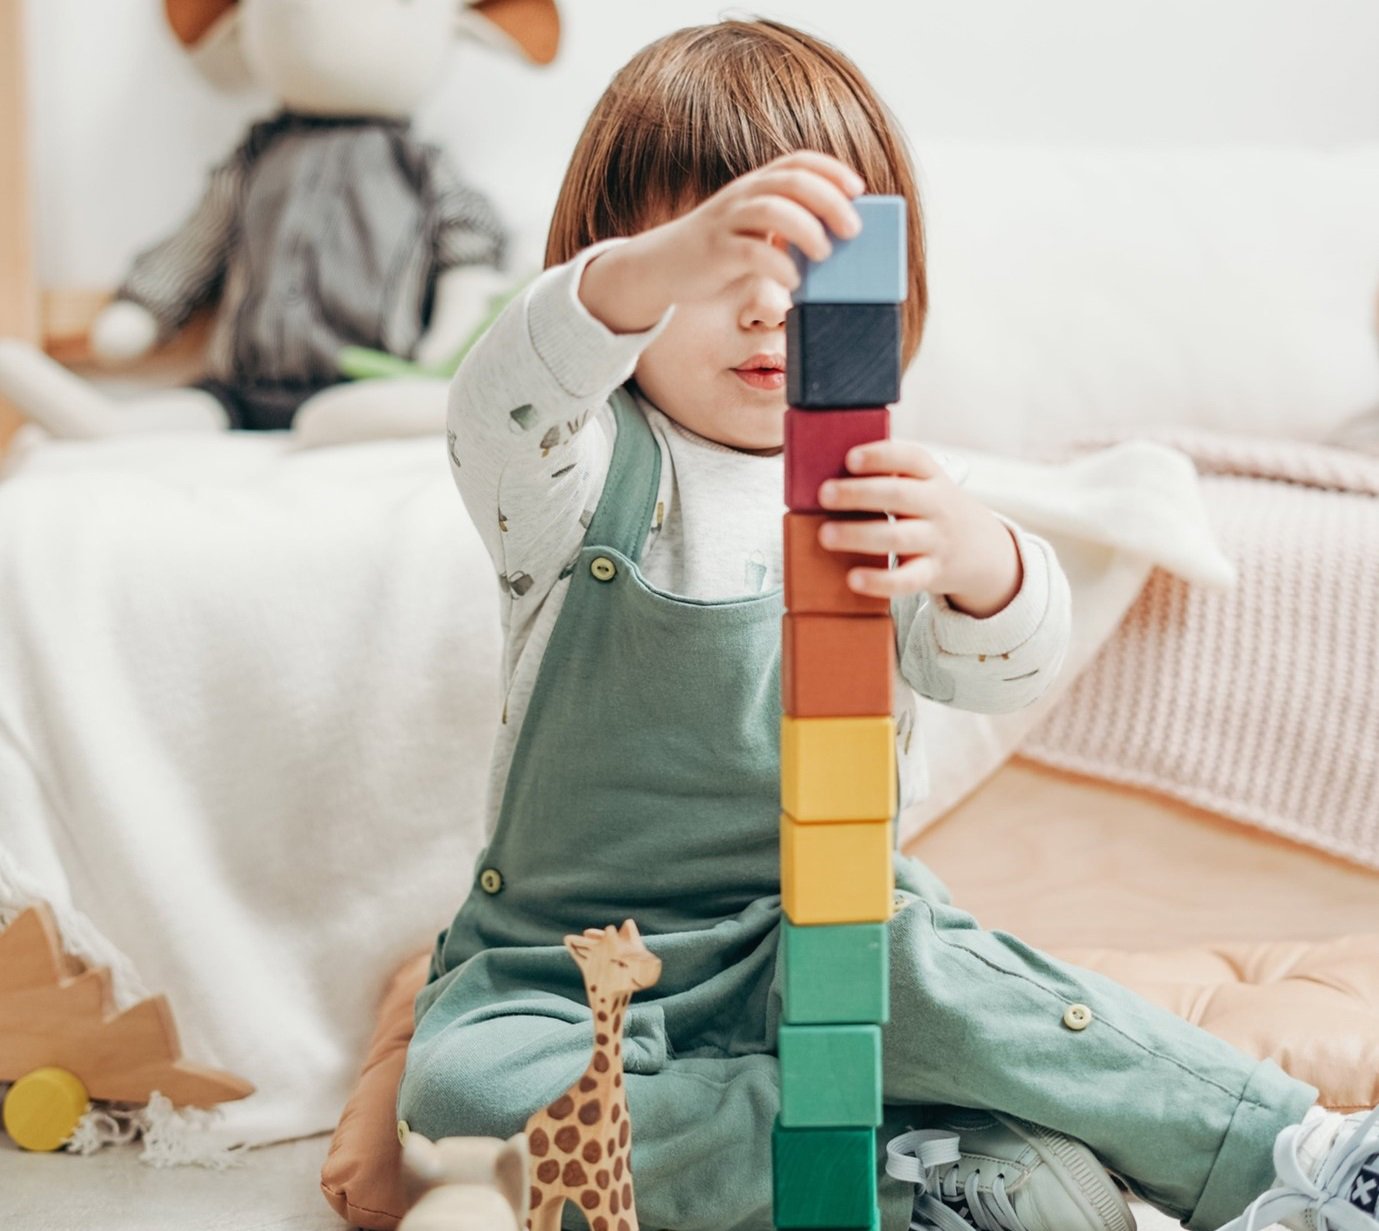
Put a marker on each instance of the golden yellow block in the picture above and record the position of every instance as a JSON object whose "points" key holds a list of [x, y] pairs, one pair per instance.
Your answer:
{"points": [[838, 769], [836, 872]]}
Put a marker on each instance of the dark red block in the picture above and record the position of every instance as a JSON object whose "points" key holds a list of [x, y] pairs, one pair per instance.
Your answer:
{"points": [[817, 441]]}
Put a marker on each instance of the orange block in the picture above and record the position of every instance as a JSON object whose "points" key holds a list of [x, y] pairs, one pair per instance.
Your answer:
{"points": [[816, 578], [837, 666]]}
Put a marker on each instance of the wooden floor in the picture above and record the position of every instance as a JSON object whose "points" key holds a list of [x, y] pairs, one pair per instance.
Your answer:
{"points": [[1063, 861]]}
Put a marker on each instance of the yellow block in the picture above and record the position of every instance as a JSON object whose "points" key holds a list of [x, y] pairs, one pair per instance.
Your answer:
{"points": [[836, 872], [43, 1107], [838, 769]]}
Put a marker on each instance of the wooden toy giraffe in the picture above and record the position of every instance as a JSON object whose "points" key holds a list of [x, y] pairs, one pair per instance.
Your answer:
{"points": [[581, 1143]]}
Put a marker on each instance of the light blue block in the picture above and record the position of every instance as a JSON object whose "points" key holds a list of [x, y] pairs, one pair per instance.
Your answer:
{"points": [[872, 267], [830, 1076]]}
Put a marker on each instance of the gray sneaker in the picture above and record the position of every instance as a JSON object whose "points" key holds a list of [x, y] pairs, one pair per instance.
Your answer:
{"points": [[995, 1172]]}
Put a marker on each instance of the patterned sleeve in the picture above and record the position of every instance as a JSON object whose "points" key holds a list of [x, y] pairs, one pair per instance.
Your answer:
{"points": [[468, 231], [177, 275], [529, 430], [992, 665]]}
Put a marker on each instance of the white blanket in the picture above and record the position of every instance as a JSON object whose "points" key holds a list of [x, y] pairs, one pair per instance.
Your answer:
{"points": [[247, 697]]}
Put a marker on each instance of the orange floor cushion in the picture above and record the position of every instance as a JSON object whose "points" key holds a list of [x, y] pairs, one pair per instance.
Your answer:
{"points": [[1312, 1007]]}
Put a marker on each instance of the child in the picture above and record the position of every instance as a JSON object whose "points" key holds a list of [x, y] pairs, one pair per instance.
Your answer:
{"points": [[617, 438]]}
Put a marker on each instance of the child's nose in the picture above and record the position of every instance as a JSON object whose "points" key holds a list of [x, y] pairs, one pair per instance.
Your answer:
{"points": [[764, 305]]}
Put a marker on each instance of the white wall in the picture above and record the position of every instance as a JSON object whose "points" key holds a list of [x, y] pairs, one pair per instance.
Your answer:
{"points": [[123, 128]]}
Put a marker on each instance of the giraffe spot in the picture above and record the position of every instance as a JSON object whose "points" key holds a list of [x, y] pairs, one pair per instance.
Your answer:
{"points": [[617, 1165], [627, 1196], [588, 1198], [614, 1204], [617, 1111], [591, 1111], [603, 1017], [611, 1145], [623, 1134], [535, 1197], [588, 1083], [617, 1023], [602, 1040], [617, 1048], [592, 1151], [600, 1223], [617, 1080], [573, 1176], [561, 1107], [548, 1171], [601, 1177], [568, 1139], [622, 1225], [538, 1142], [600, 1063]]}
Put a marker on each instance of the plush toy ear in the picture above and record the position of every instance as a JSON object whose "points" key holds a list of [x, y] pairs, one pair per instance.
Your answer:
{"points": [[529, 27], [511, 1171], [209, 30]]}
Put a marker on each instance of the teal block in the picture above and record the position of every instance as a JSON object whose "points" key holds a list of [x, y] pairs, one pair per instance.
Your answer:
{"points": [[830, 1076], [836, 973], [824, 1178], [871, 267]]}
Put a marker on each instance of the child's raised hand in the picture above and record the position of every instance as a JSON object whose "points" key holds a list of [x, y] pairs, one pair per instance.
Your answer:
{"points": [[948, 542], [740, 231]]}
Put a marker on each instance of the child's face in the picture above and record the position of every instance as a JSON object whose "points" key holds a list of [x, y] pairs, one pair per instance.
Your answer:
{"points": [[709, 370]]}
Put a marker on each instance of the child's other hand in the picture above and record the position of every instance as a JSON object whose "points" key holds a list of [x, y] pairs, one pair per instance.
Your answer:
{"points": [[948, 542], [740, 231]]}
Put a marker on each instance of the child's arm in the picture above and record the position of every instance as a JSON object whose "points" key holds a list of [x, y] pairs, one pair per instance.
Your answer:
{"points": [[525, 450], [982, 608]]}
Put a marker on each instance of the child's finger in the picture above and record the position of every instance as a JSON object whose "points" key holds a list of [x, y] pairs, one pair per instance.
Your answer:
{"points": [[908, 578], [906, 536], [900, 494], [767, 214], [819, 195], [893, 457], [825, 164]]}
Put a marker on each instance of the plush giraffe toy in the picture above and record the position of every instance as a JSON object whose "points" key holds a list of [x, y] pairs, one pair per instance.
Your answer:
{"points": [[581, 1143]]}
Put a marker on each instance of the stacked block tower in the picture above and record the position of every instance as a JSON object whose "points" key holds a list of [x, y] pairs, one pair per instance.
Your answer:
{"points": [[838, 771]]}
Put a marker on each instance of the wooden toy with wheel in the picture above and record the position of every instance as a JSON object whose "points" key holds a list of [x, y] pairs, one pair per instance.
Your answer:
{"points": [[63, 1043]]}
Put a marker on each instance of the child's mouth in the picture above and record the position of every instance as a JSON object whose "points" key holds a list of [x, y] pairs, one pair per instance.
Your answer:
{"points": [[761, 378]]}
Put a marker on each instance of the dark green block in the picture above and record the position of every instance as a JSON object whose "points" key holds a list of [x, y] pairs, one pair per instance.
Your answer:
{"points": [[836, 973], [842, 355], [824, 1178], [830, 1076]]}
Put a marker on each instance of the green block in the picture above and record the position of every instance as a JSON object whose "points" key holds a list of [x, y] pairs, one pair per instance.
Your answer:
{"points": [[836, 973], [824, 1178], [830, 1076]]}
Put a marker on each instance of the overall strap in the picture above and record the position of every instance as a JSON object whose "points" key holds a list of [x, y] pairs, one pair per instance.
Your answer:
{"points": [[625, 508]]}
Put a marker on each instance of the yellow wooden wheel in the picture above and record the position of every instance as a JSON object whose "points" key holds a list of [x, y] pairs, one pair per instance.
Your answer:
{"points": [[43, 1107]]}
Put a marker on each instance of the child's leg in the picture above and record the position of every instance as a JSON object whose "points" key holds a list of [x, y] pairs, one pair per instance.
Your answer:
{"points": [[979, 1019], [701, 1128]]}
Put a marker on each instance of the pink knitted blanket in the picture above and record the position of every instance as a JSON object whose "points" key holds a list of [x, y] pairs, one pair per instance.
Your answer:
{"points": [[1260, 702]]}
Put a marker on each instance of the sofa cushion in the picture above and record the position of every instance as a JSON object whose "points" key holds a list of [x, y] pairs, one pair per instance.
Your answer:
{"points": [[1312, 1007]]}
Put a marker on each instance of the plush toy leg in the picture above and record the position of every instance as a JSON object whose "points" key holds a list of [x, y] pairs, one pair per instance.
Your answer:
{"points": [[65, 405], [372, 410]]}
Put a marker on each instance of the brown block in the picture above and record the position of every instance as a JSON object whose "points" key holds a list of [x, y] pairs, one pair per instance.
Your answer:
{"points": [[837, 666], [816, 578]]}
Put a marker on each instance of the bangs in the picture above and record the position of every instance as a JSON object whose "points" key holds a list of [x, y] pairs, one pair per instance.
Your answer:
{"points": [[701, 107]]}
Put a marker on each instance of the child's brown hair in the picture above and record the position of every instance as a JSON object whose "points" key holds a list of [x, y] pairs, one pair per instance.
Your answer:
{"points": [[699, 107]]}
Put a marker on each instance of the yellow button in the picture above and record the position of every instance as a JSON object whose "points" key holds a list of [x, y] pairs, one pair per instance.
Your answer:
{"points": [[402, 1131], [491, 880], [603, 568], [1077, 1017]]}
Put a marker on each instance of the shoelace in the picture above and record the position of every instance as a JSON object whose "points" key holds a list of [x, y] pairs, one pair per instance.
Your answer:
{"points": [[1328, 1196], [928, 1159]]}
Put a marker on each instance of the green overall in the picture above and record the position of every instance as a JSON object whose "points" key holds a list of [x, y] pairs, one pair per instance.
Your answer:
{"points": [[645, 784]]}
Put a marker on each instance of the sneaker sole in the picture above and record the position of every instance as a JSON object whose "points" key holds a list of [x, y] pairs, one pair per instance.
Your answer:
{"points": [[1093, 1188]]}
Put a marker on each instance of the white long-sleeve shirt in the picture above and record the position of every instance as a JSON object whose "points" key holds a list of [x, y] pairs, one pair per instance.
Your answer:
{"points": [[530, 435]]}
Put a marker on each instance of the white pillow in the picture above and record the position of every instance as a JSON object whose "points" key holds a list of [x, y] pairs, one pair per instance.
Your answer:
{"points": [[1081, 292]]}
